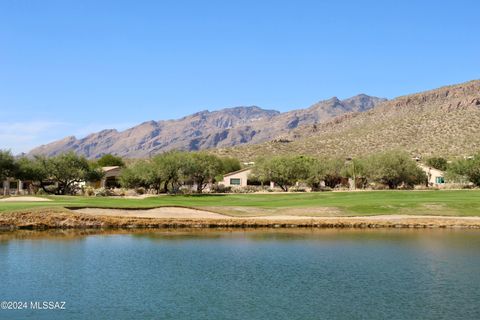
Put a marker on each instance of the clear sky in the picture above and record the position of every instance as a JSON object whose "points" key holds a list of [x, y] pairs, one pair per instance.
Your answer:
{"points": [[73, 67]]}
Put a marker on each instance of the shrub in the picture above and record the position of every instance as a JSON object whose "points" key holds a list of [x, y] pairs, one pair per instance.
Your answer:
{"points": [[220, 188], [325, 189], [89, 191], [130, 193], [140, 190], [246, 189], [119, 192], [102, 192], [297, 189]]}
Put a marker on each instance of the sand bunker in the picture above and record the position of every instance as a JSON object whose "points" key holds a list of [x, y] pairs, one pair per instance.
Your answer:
{"points": [[24, 199], [188, 213], [165, 212]]}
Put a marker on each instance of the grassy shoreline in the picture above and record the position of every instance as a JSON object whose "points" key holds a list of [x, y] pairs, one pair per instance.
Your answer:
{"points": [[372, 209], [442, 203], [58, 218]]}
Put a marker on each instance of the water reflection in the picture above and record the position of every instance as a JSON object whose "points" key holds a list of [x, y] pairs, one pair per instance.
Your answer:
{"points": [[425, 237]]}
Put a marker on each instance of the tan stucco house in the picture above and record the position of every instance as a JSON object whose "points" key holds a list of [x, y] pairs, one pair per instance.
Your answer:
{"points": [[435, 177], [110, 178], [237, 178]]}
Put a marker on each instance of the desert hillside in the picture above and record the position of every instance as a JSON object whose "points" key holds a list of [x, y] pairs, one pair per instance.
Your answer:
{"points": [[444, 121]]}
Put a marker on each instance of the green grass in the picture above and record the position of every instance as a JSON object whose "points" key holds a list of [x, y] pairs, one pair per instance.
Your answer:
{"points": [[454, 202]]}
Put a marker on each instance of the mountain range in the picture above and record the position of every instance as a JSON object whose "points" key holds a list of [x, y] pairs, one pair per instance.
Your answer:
{"points": [[205, 130], [441, 122]]}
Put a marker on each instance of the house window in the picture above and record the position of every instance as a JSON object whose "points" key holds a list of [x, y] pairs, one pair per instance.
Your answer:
{"points": [[439, 180], [235, 181], [13, 185]]}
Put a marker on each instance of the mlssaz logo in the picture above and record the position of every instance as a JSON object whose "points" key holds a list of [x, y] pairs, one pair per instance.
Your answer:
{"points": [[47, 305]]}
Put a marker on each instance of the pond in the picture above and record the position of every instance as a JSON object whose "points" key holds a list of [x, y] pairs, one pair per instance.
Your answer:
{"points": [[241, 274]]}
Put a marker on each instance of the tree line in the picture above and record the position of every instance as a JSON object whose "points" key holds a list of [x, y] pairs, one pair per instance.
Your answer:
{"points": [[63, 173], [55, 175], [393, 169], [168, 172]]}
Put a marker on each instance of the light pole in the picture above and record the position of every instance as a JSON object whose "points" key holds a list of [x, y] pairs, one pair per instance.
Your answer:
{"points": [[350, 159]]}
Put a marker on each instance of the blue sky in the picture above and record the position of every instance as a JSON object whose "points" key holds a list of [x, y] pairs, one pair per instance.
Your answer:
{"points": [[74, 67]]}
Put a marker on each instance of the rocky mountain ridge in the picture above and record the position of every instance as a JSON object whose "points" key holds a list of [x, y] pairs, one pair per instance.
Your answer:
{"points": [[442, 122], [207, 129]]}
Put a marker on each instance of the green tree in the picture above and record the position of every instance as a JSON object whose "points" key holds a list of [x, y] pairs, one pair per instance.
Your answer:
{"points": [[394, 168], [284, 171], [334, 171], [437, 163], [134, 176], [171, 167], [143, 174], [109, 160], [230, 164], [65, 171], [8, 165], [201, 168], [31, 169], [467, 168], [317, 171]]}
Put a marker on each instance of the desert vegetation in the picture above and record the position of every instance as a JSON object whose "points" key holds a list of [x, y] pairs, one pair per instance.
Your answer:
{"points": [[393, 169], [54, 175], [168, 172], [195, 172]]}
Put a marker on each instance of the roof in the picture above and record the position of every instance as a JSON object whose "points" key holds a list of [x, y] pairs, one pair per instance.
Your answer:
{"points": [[238, 171], [430, 169], [106, 169]]}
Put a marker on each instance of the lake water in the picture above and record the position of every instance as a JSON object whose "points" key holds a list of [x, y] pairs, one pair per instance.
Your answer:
{"points": [[276, 274]]}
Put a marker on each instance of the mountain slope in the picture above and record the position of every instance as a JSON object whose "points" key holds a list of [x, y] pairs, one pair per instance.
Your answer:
{"points": [[444, 121], [205, 129]]}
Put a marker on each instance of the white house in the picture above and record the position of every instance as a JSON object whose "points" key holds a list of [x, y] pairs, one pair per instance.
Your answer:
{"points": [[237, 178], [435, 177]]}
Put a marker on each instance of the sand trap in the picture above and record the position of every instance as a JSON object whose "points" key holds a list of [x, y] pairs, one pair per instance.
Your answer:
{"points": [[372, 219], [165, 212], [24, 199], [187, 213]]}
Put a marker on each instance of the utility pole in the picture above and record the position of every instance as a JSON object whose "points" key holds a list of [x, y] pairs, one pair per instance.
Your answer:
{"points": [[350, 159]]}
